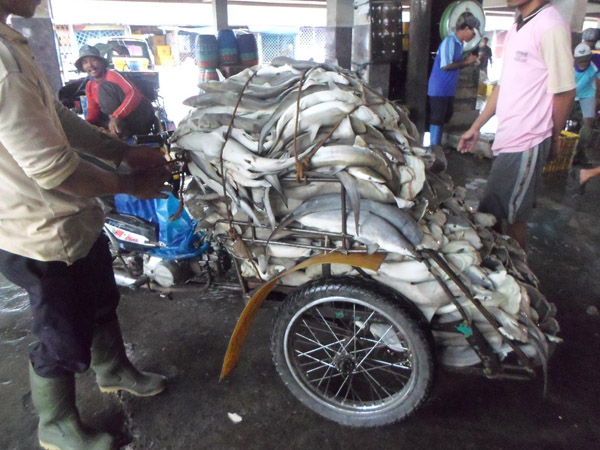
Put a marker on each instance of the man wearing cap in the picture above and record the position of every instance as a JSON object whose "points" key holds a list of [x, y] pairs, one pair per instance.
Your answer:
{"points": [[51, 241], [444, 76], [113, 102], [532, 102], [585, 79], [590, 37]]}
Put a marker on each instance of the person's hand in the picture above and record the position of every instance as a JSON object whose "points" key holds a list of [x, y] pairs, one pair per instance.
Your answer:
{"points": [[471, 59], [146, 183], [468, 140], [143, 157], [115, 126]]}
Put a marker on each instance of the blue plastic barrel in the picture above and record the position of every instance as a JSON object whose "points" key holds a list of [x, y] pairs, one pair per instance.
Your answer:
{"points": [[207, 51], [248, 50], [228, 50]]}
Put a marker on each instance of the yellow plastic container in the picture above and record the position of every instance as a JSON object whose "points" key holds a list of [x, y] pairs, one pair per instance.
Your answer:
{"points": [[163, 50], [130, 64], [164, 60], [562, 160], [485, 90]]}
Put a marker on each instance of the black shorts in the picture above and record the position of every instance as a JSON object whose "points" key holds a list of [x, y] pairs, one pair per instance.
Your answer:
{"points": [[440, 110], [139, 121], [514, 182], [66, 301]]}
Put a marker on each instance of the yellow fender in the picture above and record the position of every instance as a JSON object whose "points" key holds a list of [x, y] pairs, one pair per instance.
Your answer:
{"points": [[236, 342]]}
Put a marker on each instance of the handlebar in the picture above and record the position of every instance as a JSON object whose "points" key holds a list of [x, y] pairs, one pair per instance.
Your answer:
{"points": [[161, 138]]}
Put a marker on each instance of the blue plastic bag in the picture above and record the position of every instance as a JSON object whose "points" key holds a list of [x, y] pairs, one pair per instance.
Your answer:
{"points": [[178, 237]]}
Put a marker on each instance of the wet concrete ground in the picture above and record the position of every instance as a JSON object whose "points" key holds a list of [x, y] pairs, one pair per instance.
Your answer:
{"points": [[186, 339]]}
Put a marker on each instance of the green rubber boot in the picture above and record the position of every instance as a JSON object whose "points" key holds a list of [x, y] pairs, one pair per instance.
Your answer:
{"points": [[114, 371], [60, 427]]}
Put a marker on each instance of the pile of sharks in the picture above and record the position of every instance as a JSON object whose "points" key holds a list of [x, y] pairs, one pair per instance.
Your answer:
{"points": [[296, 146]]}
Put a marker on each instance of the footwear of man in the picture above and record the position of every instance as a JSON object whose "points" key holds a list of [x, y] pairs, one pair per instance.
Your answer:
{"points": [[60, 427], [114, 371]]}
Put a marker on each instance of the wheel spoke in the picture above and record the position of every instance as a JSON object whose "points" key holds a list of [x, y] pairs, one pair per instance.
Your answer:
{"points": [[328, 379], [348, 390], [305, 366], [359, 330], [341, 386], [396, 365], [354, 333], [332, 324], [373, 348], [383, 369], [354, 393], [377, 383], [317, 360], [315, 337], [401, 342], [371, 387], [312, 365], [363, 350], [320, 346], [330, 330]]}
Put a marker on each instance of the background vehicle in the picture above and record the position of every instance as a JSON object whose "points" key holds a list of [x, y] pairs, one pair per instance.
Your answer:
{"points": [[127, 53], [155, 242]]}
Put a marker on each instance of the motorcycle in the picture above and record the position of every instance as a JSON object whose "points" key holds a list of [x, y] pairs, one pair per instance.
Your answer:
{"points": [[155, 243]]}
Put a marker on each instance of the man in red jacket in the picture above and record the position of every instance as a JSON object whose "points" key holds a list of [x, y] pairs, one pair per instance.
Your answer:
{"points": [[113, 101]]}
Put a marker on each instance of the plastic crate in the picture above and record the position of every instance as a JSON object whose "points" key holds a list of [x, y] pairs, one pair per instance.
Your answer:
{"points": [[562, 159]]}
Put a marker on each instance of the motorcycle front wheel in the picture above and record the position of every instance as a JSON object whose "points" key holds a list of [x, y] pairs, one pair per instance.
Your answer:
{"points": [[352, 352]]}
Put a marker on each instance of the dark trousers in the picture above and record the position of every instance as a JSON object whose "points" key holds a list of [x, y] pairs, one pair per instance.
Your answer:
{"points": [[440, 110], [66, 302], [140, 121]]}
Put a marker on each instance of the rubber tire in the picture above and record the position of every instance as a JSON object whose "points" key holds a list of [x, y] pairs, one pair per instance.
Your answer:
{"points": [[400, 309]]}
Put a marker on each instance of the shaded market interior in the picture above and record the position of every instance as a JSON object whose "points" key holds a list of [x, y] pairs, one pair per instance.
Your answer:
{"points": [[186, 336]]}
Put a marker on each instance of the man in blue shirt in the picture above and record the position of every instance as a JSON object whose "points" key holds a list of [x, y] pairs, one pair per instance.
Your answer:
{"points": [[444, 76], [585, 77], [590, 36]]}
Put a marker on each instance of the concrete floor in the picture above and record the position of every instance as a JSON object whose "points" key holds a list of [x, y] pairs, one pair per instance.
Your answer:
{"points": [[186, 339]]}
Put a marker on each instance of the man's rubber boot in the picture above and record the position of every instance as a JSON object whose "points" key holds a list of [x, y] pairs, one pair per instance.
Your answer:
{"points": [[435, 135], [114, 371], [60, 427]]}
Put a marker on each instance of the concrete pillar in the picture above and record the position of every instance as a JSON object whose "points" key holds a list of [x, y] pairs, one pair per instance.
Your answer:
{"points": [[338, 37], [418, 61], [220, 19], [39, 32], [573, 12]]}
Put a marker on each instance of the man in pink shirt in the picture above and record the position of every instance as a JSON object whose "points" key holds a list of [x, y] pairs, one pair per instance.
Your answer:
{"points": [[532, 101]]}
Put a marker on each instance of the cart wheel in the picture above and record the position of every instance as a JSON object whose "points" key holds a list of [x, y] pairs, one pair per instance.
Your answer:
{"points": [[353, 351]]}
